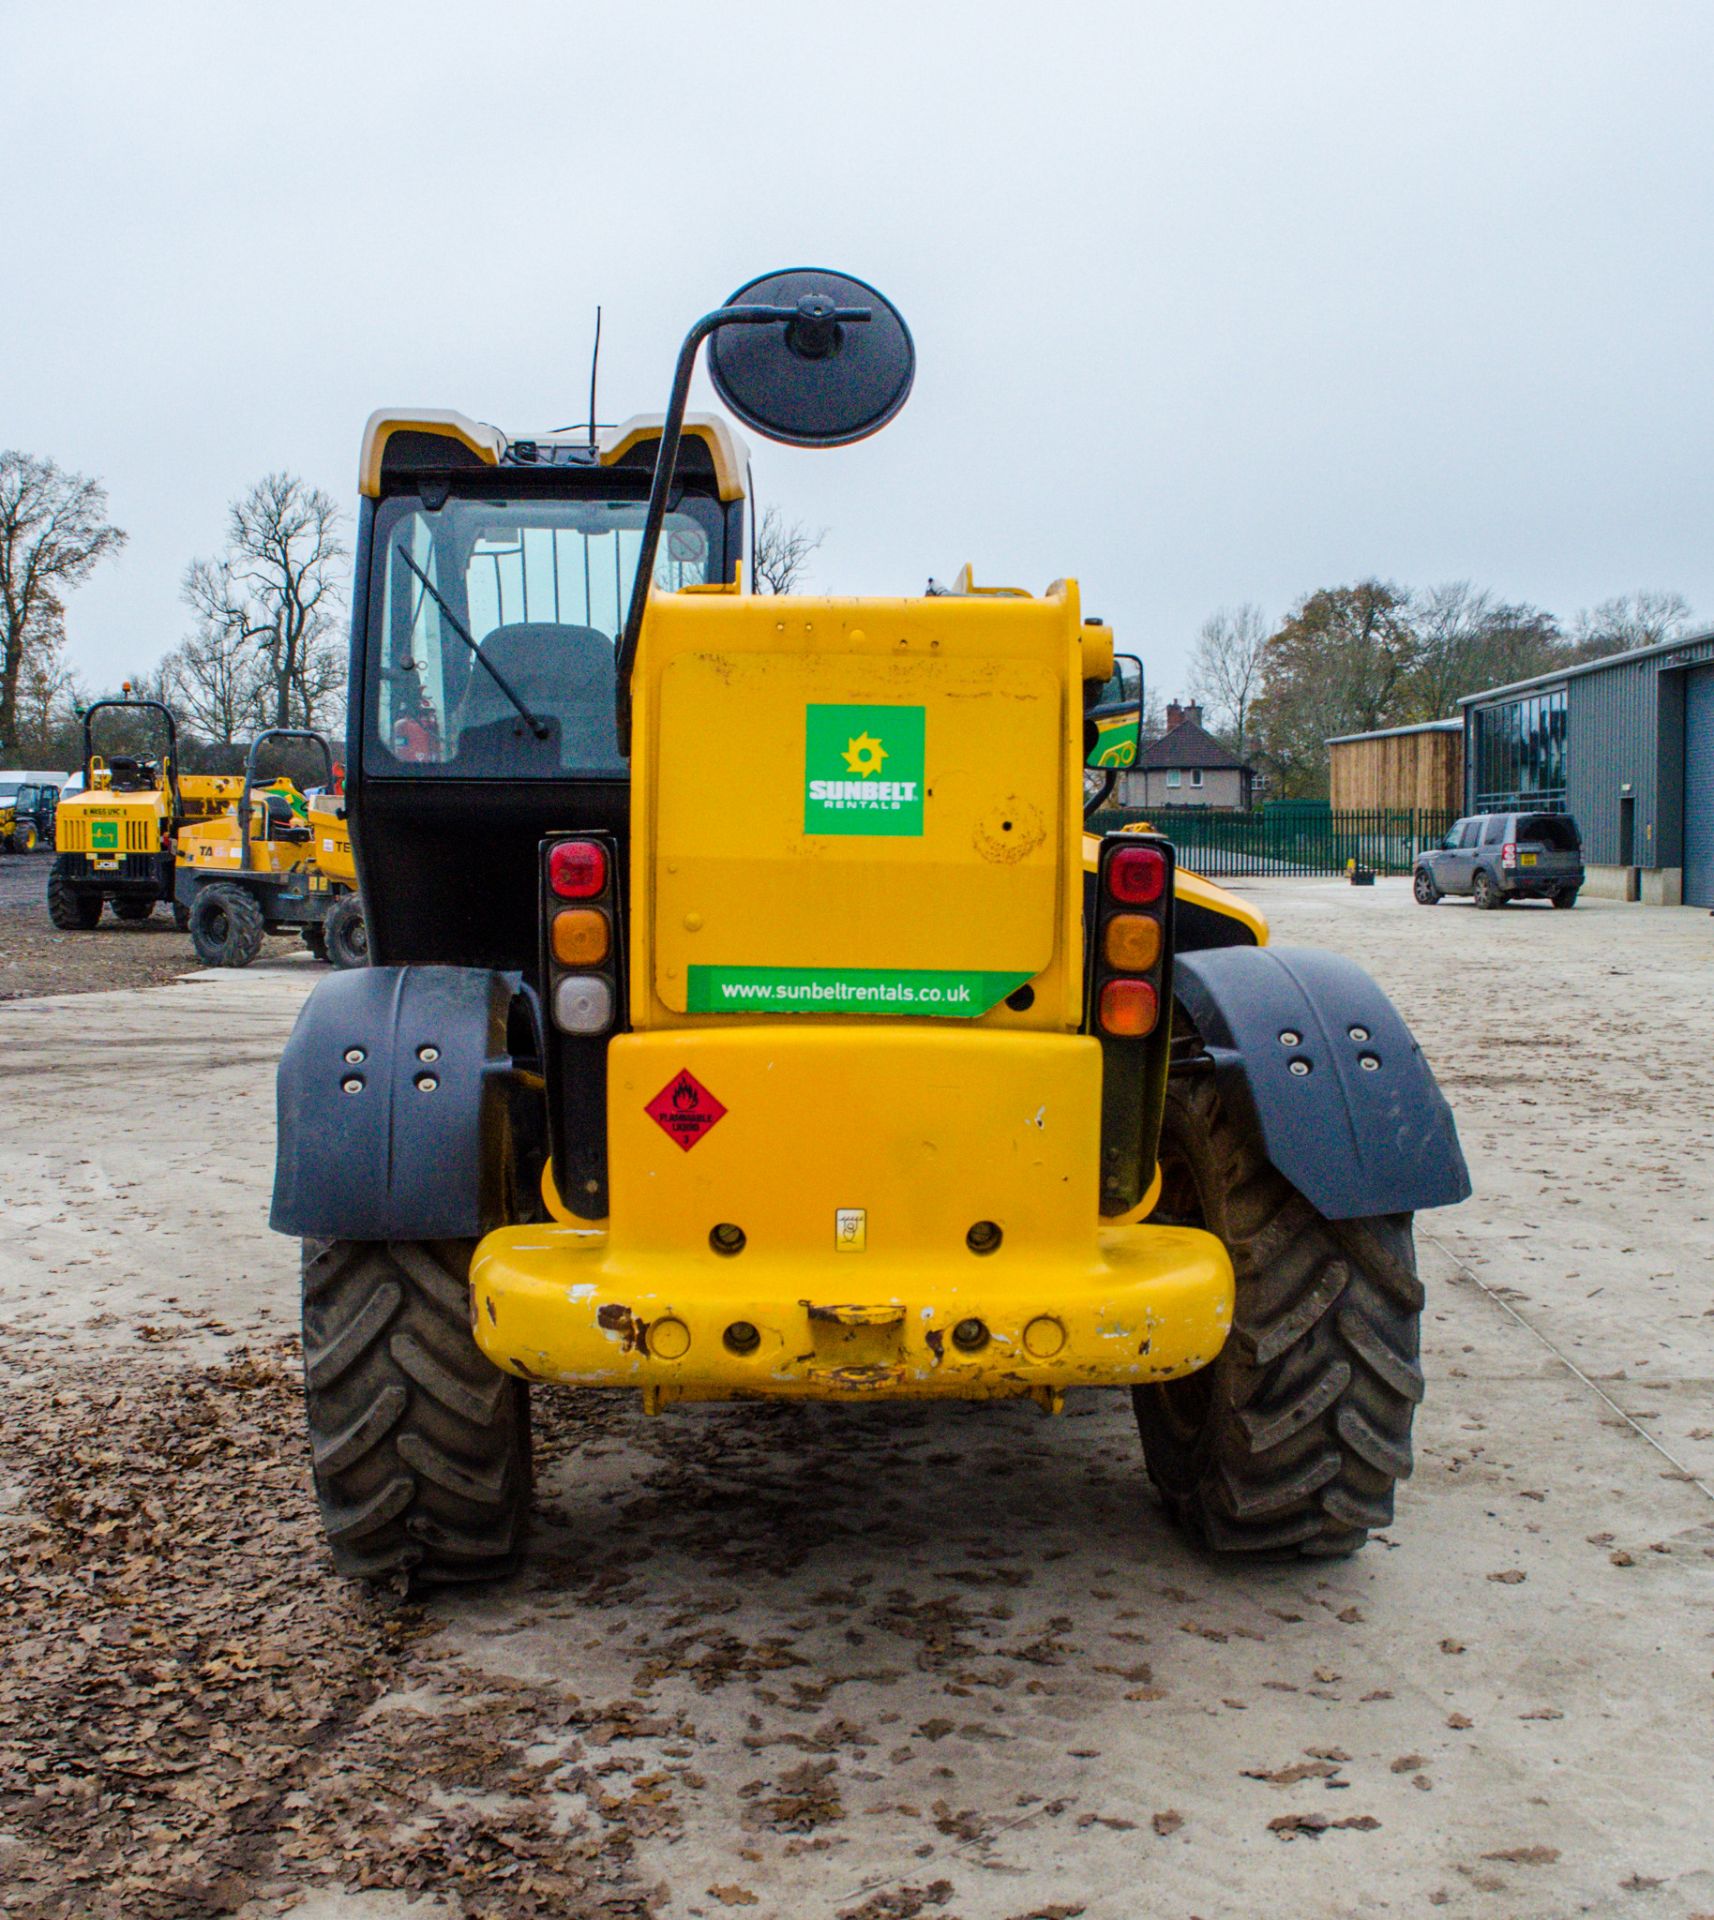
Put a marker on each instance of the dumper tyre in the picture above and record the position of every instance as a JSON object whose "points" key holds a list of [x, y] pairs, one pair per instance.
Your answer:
{"points": [[134, 912], [420, 1444], [315, 939], [226, 927], [1291, 1443], [73, 909], [181, 916], [346, 932]]}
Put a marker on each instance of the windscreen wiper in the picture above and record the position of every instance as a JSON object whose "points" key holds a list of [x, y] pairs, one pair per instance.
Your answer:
{"points": [[537, 726]]}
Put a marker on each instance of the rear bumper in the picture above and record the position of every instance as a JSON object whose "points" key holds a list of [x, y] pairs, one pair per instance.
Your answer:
{"points": [[1522, 884], [856, 1161], [1143, 1304]]}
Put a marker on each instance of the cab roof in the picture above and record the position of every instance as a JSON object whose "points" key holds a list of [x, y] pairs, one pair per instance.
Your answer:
{"points": [[402, 440]]}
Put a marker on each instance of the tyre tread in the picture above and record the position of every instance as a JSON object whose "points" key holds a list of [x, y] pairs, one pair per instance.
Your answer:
{"points": [[419, 1445], [1293, 1443]]}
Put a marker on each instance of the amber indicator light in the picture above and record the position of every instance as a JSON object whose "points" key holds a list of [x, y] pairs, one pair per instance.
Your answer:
{"points": [[581, 936], [1132, 943]]}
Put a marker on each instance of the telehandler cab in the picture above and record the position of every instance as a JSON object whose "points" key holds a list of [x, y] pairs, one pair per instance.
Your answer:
{"points": [[114, 840], [278, 860], [752, 1016]]}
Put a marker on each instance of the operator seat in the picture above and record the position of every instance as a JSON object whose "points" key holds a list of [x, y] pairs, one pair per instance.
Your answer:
{"points": [[564, 674]]}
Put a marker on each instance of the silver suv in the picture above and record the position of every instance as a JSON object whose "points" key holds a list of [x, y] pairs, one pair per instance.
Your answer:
{"points": [[1496, 857]]}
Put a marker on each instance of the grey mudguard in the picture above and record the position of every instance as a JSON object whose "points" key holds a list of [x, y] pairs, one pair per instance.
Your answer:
{"points": [[377, 1142], [1354, 1139]]}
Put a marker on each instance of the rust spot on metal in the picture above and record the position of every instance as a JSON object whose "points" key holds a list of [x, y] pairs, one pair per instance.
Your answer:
{"points": [[935, 1341], [493, 1317], [622, 1321]]}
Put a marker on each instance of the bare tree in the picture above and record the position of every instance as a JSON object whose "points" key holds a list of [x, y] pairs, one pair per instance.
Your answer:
{"points": [[1629, 620], [216, 677], [1467, 640], [277, 588], [1226, 668], [54, 531], [783, 548]]}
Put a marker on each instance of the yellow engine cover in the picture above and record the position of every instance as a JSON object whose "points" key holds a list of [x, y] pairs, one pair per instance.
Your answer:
{"points": [[857, 807], [107, 825]]}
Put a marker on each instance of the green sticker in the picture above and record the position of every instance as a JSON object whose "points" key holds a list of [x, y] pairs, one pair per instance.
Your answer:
{"points": [[947, 993], [104, 834], [863, 770]]}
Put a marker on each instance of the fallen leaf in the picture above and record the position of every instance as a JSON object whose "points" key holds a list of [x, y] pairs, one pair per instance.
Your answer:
{"points": [[1452, 1646], [1525, 1856], [1408, 1763], [1168, 1822], [1512, 1577], [1460, 1721], [733, 1896]]}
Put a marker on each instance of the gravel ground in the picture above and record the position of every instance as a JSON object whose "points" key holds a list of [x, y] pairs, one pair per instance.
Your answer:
{"points": [[37, 959], [877, 1663]]}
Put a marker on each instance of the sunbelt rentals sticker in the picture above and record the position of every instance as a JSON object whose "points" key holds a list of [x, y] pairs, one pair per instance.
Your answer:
{"points": [[863, 770]]}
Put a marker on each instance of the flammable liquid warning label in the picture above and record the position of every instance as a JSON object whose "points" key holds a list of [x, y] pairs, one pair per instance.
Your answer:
{"points": [[684, 1109]]}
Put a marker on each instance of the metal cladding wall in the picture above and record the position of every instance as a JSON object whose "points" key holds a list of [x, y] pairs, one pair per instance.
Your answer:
{"points": [[1698, 691], [1611, 731], [1625, 733]]}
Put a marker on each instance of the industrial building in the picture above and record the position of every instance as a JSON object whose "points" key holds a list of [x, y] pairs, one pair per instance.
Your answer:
{"points": [[1626, 746]]}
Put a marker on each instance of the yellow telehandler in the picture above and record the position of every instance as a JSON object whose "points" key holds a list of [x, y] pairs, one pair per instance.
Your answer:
{"points": [[752, 1016]]}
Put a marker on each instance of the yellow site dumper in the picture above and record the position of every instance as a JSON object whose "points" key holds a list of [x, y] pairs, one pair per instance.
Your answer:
{"points": [[115, 840], [751, 1015], [278, 860]]}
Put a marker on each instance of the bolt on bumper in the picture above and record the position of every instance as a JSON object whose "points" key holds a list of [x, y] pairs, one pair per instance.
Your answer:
{"points": [[1136, 1305]]}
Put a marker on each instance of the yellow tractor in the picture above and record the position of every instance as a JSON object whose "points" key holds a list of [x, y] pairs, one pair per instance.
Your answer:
{"points": [[278, 860], [752, 1016], [114, 841]]}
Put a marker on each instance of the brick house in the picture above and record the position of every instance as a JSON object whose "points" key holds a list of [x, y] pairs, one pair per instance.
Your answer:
{"points": [[1186, 767]]}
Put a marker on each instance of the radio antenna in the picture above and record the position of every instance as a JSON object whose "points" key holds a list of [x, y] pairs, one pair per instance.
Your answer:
{"points": [[594, 368]]}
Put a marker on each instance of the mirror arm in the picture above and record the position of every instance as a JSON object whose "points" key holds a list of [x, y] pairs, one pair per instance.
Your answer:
{"points": [[666, 460]]}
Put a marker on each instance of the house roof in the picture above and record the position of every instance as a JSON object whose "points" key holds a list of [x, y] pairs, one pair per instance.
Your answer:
{"points": [[1188, 745], [1395, 733]]}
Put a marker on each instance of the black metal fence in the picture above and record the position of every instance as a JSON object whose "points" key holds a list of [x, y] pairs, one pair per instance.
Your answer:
{"points": [[1228, 843]]}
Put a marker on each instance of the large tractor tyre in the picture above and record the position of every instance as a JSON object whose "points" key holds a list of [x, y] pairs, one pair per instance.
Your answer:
{"points": [[134, 911], [72, 909], [1290, 1444], [1427, 893], [346, 932], [226, 927], [1486, 895], [421, 1446], [25, 839], [315, 939]]}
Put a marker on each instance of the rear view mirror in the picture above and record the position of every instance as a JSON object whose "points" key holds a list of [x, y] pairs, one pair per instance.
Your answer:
{"points": [[814, 379]]}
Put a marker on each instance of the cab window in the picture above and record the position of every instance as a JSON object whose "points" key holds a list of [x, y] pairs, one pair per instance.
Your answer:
{"points": [[486, 605]]}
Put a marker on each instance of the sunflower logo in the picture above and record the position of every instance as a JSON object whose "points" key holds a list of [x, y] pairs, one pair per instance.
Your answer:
{"points": [[863, 755]]}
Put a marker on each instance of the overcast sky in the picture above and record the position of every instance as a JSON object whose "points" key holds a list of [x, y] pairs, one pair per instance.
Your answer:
{"points": [[1212, 302]]}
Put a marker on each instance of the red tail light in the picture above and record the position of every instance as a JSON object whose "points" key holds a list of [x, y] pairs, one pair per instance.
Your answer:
{"points": [[1137, 876], [1509, 854], [1129, 1008], [577, 869]]}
